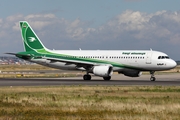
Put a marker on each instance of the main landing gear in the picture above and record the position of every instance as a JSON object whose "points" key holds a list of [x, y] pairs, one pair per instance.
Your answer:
{"points": [[152, 76], [107, 78], [88, 77]]}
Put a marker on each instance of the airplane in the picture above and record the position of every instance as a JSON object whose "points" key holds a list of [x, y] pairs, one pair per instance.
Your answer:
{"points": [[101, 63]]}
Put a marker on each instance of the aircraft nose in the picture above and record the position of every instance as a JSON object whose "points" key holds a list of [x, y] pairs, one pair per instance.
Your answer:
{"points": [[172, 64]]}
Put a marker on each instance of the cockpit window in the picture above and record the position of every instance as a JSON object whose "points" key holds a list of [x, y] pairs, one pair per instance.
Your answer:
{"points": [[163, 57]]}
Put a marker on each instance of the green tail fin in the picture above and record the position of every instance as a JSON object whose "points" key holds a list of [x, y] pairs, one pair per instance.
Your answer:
{"points": [[30, 39]]}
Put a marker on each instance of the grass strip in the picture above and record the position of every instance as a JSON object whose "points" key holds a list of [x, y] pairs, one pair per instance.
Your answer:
{"points": [[90, 102]]}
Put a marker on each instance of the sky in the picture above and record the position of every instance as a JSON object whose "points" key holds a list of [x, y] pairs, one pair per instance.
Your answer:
{"points": [[94, 24]]}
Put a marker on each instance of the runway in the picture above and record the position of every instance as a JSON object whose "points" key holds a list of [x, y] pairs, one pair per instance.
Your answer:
{"points": [[162, 80]]}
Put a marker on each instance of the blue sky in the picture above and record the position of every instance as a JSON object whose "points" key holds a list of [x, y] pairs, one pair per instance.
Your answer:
{"points": [[94, 24]]}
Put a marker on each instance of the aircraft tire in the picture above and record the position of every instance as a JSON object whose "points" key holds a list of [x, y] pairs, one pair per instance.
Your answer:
{"points": [[107, 78], [152, 78], [87, 77]]}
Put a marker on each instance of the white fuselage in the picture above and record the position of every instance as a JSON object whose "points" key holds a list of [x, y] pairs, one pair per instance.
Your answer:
{"points": [[143, 60], [98, 62]]}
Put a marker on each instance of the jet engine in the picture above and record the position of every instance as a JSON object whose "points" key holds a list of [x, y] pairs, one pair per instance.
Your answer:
{"points": [[103, 71]]}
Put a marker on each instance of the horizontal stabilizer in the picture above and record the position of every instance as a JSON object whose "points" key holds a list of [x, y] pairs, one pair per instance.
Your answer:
{"points": [[11, 53], [26, 57]]}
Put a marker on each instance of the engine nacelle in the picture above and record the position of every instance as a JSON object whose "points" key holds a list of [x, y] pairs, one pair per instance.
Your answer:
{"points": [[132, 73], [103, 71]]}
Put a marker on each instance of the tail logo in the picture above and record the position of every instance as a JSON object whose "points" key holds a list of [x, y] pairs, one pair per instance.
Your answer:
{"points": [[32, 39], [24, 26]]}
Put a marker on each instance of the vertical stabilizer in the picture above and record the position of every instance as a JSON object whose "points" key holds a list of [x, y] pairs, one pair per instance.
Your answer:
{"points": [[30, 39]]}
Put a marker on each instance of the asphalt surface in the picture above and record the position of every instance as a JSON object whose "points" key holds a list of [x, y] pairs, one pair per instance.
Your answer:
{"points": [[161, 80]]}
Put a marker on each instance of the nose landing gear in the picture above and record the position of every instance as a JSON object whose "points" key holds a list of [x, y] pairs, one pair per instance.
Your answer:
{"points": [[152, 76]]}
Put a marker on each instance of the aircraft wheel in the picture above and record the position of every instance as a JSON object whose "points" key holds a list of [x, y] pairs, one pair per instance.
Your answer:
{"points": [[152, 78], [107, 78], [87, 77]]}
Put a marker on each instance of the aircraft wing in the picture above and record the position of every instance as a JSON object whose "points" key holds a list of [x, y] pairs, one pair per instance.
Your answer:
{"points": [[84, 64]]}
